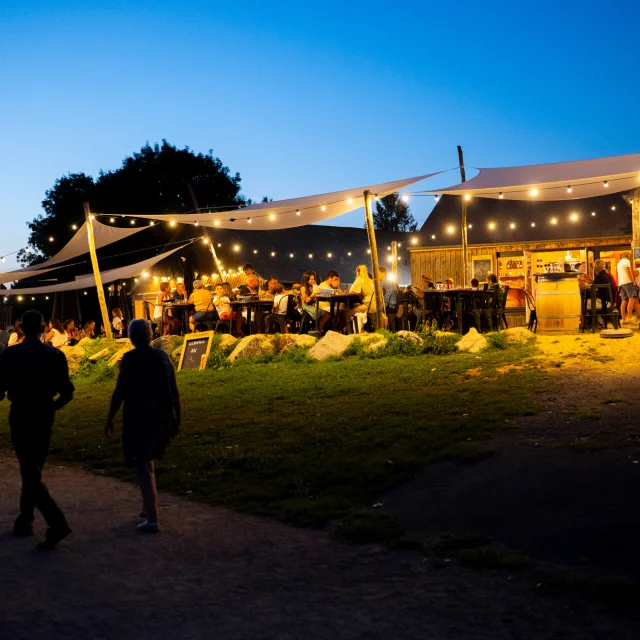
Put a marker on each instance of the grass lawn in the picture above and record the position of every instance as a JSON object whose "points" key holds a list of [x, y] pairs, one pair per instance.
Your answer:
{"points": [[311, 442]]}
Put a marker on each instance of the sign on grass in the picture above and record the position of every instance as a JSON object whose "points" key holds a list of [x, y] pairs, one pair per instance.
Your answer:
{"points": [[195, 350]]}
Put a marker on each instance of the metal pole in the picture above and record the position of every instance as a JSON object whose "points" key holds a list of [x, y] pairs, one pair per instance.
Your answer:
{"points": [[465, 266], [373, 245], [96, 271], [394, 257]]}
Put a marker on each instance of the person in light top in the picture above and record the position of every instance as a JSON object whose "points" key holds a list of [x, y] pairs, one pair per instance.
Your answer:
{"points": [[57, 337], [627, 289], [280, 300], [202, 300], [116, 322], [365, 286], [308, 292], [222, 303]]}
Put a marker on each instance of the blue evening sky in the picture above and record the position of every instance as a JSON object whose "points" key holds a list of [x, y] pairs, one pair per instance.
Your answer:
{"points": [[308, 97]]}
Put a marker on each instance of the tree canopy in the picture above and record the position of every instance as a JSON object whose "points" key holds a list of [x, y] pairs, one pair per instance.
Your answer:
{"points": [[155, 180], [393, 214]]}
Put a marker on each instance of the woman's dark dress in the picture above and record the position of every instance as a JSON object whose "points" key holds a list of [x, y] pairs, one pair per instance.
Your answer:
{"points": [[147, 385]]}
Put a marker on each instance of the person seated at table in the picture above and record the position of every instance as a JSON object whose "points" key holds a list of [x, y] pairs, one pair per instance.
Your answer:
{"points": [[89, 330], [280, 300], [170, 324], [270, 285], [57, 337], [222, 303], [308, 292], [330, 284], [426, 282], [493, 283], [252, 287], [70, 329], [202, 300], [448, 283], [180, 294], [364, 286], [604, 296], [475, 284]]}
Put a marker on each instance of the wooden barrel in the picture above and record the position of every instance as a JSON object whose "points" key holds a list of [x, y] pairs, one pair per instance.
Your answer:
{"points": [[558, 303]]}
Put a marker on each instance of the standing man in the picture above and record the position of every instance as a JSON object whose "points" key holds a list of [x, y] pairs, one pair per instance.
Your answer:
{"points": [[627, 288], [31, 375]]}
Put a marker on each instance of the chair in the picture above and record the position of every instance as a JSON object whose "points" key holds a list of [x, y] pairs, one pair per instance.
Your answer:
{"points": [[501, 315], [531, 306]]}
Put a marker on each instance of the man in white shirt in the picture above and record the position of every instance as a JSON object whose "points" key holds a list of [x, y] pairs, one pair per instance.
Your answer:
{"points": [[627, 288]]}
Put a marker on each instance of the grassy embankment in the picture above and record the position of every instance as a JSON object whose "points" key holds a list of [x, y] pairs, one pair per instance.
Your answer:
{"points": [[311, 442]]}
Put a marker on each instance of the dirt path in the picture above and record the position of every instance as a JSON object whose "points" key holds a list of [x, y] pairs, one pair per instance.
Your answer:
{"points": [[214, 573]]}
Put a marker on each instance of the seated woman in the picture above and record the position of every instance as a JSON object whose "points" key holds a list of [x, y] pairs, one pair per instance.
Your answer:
{"points": [[57, 337], [160, 315], [492, 280], [17, 335], [308, 291], [202, 300], [475, 284], [69, 327], [363, 285], [89, 330]]}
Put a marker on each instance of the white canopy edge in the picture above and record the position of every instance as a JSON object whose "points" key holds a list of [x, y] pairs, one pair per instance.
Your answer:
{"points": [[295, 212], [88, 280], [556, 181]]}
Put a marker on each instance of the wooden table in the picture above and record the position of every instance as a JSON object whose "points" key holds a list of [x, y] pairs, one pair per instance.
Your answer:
{"points": [[334, 300], [459, 299], [182, 308], [254, 305]]}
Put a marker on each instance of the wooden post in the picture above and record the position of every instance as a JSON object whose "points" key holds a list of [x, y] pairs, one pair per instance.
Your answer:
{"points": [[373, 245], [96, 271], [635, 220], [394, 264], [463, 225]]}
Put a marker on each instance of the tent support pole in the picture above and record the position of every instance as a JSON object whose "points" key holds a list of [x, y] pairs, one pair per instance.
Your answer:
{"points": [[463, 225], [373, 245], [96, 271], [635, 220], [394, 264]]}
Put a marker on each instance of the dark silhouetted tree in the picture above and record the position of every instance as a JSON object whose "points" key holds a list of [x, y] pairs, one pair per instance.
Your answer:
{"points": [[392, 214], [152, 181]]}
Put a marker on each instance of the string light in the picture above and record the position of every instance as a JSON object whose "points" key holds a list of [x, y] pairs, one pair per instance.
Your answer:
{"points": [[534, 192], [205, 240], [236, 247], [291, 255], [450, 229], [248, 220], [606, 184], [172, 223], [273, 253], [349, 253], [91, 216], [217, 223], [613, 207], [569, 189], [554, 221], [414, 240], [272, 217], [19, 298], [512, 225], [85, 293], [310, 256], [573, 217], [32, 297], [405, 198], [329, 255], [467, 197], [196, 224], [324, 208], [492, 225], [350, 200], [368, 250], [74, 226], [390, 258], [436, 197], [50, 238], [469, 225], [112, 220], [255, 251], [152, 223], [219, 244], [433, 237], [46, 297], [298, 212], [501, 195], [593, 213], [133, 222], [533, 224], [145, 274]]}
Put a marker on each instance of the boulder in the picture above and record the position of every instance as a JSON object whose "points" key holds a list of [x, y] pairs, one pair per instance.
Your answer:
{"points": [[332, 344], [372, 341], [167, 343], [100, 355], [227, 340], [472, 342], [73, 355], [117, 356], [519, 335], [288, 341], [409, 335], [252, 347], [83, 341]]}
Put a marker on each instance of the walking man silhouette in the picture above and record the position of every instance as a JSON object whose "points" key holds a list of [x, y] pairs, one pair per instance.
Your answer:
{"points": [[31, 375]]}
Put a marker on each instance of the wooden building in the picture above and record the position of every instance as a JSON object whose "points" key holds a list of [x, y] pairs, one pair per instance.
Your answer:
{"points": [[517, 239]]}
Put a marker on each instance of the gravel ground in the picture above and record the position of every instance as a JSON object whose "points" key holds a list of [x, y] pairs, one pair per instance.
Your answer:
{"points": [[214, 573]]}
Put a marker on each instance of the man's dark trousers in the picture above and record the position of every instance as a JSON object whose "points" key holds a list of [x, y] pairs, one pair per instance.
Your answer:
{"points": [[30, 435]]}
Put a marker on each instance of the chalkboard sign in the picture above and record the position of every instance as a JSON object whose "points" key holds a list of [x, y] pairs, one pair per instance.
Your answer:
{"points": [[482, 267], [195, 350]]}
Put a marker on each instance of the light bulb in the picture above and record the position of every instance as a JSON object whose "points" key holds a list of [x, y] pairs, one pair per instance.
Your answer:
{"points": [[172, 223], [236, 247], [329, 255], [501, 195], [205, 240], [196, 224], [46, 298], [433, 237], [350, 200], [255, 251], [91, 216], [348, 253], [248, 220], [414, 240], [112, 219], [613, 208], [368, 250], [470, 226], [323, 207], [50, 238], [534, 192], [19, 298], [436, 197], [297, 213], [554, 221], [33, 298], [450, 229], [219, 244], [492, 225], [273, 253], [311, 255], [272, 217], [291, 255], [152, 223], [145, 274], [593, 213], [573, 217], [133, 222], [217, 223], [533, 224], [467, 197], [606, 184], [74, 226], [85, 293], [390, 258], [512, 226]]}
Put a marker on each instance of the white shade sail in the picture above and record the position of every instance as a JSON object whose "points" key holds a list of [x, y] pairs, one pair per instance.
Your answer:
{"points": [[296, 212], [77, 246], [557, 181], [88, 280]]}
